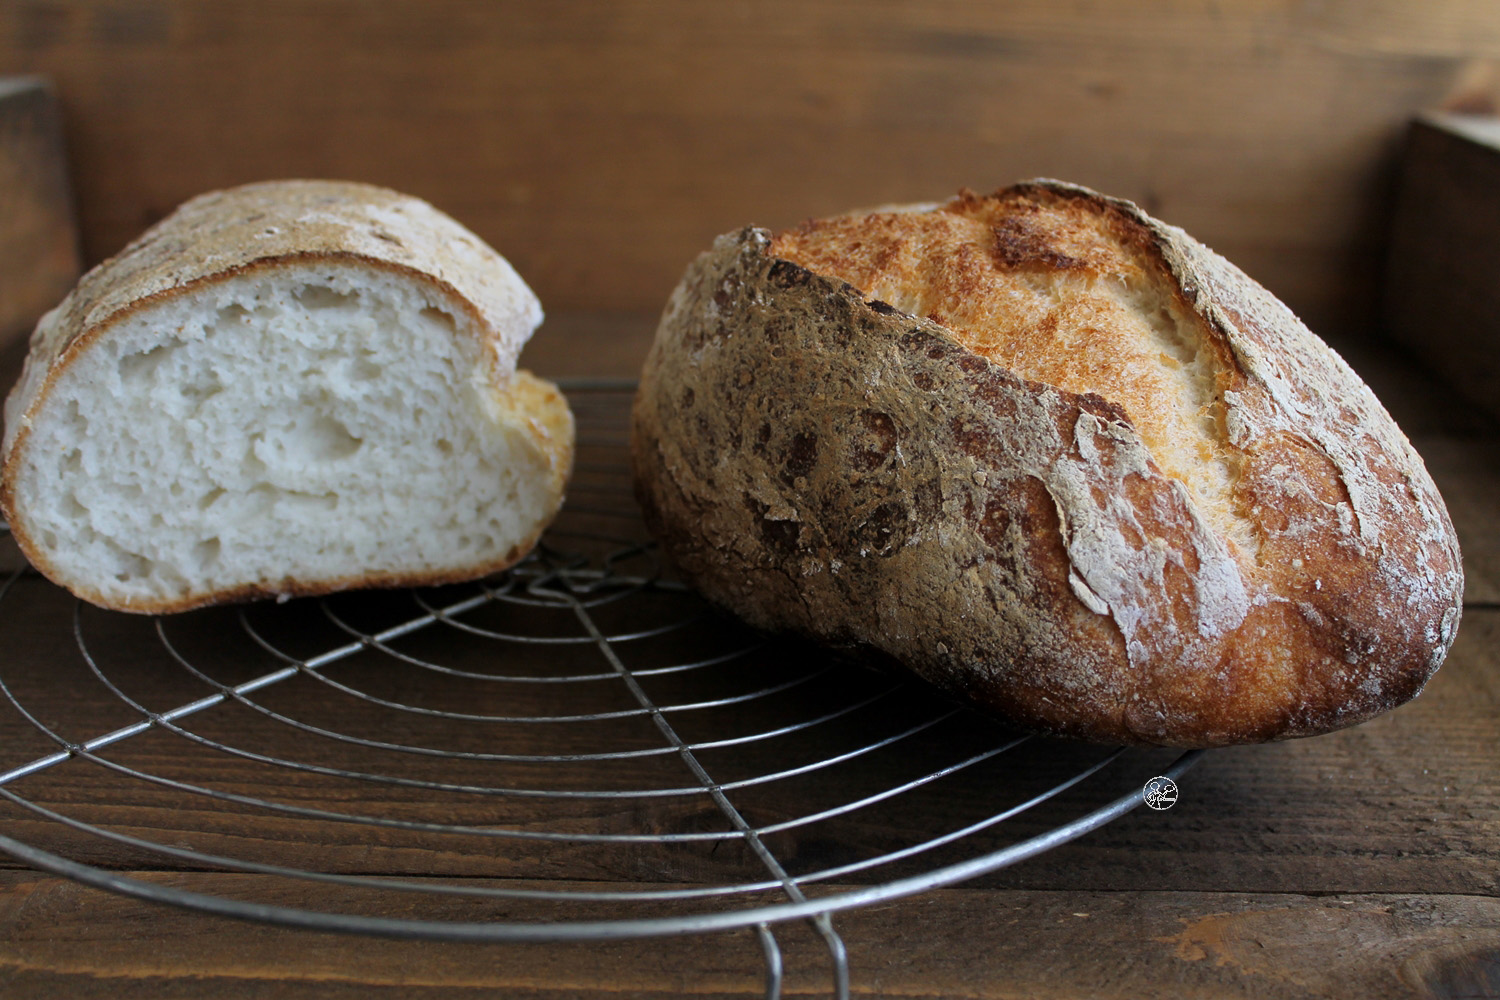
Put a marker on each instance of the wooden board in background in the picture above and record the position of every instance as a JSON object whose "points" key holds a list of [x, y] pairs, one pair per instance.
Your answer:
{"points": [[38, 240], [64, 940], [1442, 288], [600, 147]]}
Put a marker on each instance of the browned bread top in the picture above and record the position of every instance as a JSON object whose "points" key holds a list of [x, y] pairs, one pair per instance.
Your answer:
{"points": [[1056, 457], [1074, 299], [224, 232]]}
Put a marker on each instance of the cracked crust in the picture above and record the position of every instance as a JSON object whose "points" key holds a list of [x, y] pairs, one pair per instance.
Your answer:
{"points": [[820, 461]]}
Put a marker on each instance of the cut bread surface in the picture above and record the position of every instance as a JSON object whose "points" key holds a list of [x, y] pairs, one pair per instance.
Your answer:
{"points": [[289, 429]]}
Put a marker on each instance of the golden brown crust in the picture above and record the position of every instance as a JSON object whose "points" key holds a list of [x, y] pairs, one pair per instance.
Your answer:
{"points": [[1017, 543], [219, 233], [290, 588], [1077, 300]]}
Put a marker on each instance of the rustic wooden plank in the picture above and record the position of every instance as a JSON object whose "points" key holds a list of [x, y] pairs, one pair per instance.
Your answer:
{"points": [[1441, 297], [59, 937], [39, 258], [1382, 807], [601, 151]]}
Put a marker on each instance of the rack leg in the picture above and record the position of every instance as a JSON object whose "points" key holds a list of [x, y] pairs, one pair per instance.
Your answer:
{"points": [[773, 961], [823, 923]]}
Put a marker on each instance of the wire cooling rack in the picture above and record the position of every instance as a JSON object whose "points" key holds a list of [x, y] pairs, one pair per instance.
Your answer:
{"points": [[576, 749]]}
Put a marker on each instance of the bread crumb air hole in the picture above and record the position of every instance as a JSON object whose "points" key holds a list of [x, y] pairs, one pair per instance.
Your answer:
{"points": [[320, 297], [314, 436], [206, 553], [229, 314], [128, 566], [138, 368]]}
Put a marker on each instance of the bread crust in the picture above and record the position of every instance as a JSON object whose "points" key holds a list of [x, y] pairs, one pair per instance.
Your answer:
{"points": [[294, 224], [822, 463]]}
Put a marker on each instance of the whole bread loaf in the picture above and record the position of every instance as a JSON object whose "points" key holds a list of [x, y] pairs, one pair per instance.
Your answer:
{"points": [[286, 388], [1055, 457]]}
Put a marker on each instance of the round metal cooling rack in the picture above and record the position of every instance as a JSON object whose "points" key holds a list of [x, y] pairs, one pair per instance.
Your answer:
{"points": [[576, 749]]}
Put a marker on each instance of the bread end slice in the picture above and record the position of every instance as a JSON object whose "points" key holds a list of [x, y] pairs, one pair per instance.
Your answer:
{"points": [[209, 419]]}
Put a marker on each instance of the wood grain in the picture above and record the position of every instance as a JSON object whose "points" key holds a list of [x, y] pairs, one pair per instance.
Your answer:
{"points": [[602, 147], [56, 937]]}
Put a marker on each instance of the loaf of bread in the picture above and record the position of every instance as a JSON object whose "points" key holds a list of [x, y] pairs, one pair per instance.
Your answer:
{"points": [[1055, 457], [283, 389]]}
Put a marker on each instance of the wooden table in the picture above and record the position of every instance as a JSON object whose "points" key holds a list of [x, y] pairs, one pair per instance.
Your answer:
{"points": [[1360, 864]]}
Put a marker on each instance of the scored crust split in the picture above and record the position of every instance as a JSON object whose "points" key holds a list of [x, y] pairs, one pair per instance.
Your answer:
{"points": [[1054, 456], [286, 388]]}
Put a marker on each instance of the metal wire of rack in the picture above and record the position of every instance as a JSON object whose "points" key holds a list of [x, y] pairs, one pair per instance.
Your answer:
{"points": [[576, 749]]}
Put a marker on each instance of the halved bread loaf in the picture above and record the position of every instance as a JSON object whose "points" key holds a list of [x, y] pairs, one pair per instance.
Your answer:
{"points": [[1054, 456], [287, 388]]}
